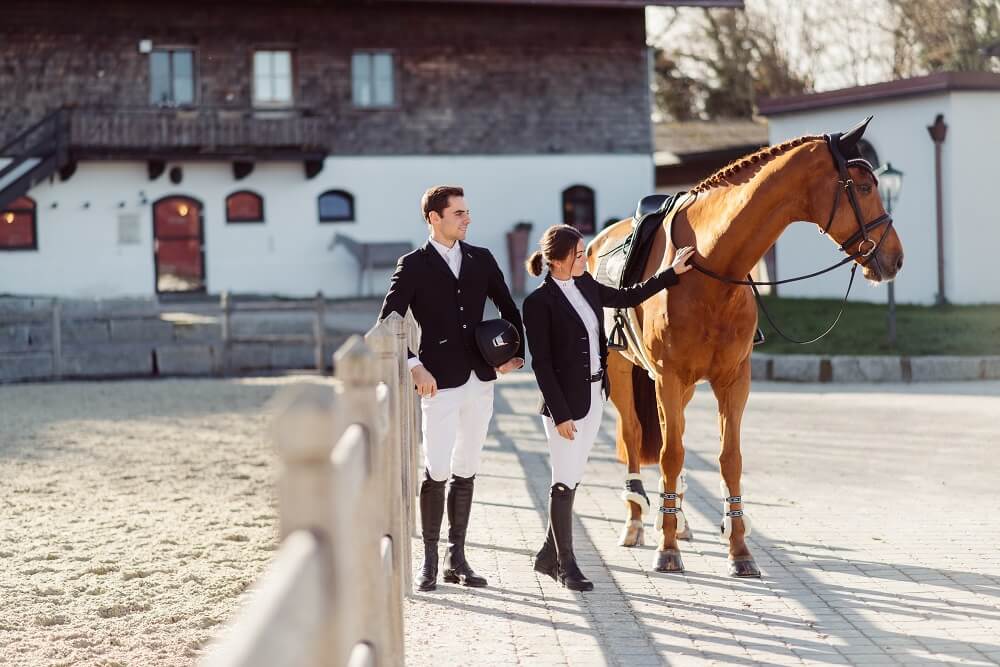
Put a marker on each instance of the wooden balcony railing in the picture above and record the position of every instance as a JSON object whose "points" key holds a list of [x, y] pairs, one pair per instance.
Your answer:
{"points": [[200, 131]]}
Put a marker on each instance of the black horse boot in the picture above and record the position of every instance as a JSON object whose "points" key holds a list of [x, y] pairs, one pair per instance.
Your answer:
{"points": [[431, 513], [456, 568], [546, 561], [561, 517]]}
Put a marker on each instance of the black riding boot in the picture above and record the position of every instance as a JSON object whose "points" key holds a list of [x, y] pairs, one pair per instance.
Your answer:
{"points": [[431, 513], [456, 568], [561, 518], [546, 561]]}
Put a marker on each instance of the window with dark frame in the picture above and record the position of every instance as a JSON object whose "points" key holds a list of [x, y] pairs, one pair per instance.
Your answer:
{"points": [[171, 77], [18, 225], [336, 206], [272, 78], [578, 208], [244, 206], [373, 82]]}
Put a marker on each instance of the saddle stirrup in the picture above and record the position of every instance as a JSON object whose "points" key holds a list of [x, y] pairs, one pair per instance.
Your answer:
{"points": [[728, 514], [677, 511]]}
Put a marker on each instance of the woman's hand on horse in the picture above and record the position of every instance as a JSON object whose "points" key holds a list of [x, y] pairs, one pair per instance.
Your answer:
{"points": [[426, 384], [566, 429], [681, 259]]}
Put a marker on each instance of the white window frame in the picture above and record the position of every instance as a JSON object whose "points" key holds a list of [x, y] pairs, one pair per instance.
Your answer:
{"points": [[369, 75], [271, 101], [170, 51]]}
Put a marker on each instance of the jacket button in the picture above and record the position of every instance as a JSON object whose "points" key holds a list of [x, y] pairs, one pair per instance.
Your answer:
{"points": [[465, 326], [461, 307]]}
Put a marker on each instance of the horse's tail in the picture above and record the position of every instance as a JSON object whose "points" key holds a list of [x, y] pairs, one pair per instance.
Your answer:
{"points": [[644, 396]]}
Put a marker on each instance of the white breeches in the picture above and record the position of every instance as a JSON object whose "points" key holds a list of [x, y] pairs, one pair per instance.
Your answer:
{"points": [[569, 457], [454, 423]]}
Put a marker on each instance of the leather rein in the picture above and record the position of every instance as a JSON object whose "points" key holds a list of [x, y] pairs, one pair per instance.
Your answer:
{"points": [[867, 247]]}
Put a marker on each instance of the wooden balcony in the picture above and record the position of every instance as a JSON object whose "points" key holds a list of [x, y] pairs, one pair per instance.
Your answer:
{"points": [[201, 132]]}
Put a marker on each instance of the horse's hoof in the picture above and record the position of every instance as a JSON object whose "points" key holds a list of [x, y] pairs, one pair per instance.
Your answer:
{"points": [[685, 534], [668, 560], [743, 567], [632, 534]]}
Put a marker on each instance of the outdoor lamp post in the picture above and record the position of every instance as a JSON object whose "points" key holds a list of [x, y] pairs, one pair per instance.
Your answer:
{"points": [[890, 182]]}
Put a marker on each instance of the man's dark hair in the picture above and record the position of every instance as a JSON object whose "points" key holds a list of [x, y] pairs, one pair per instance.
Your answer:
{"points": [[436, 199]]}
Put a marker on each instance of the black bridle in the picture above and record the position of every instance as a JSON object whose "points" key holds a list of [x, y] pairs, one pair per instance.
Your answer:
{"points": [[867, 246]]}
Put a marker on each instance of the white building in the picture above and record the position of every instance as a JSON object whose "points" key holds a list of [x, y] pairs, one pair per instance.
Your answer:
{"points": [[969, 104]]}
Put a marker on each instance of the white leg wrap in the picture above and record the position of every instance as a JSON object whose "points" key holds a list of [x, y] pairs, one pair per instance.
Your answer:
{"points": [[681, 520], [727, 521], [638, 499]]}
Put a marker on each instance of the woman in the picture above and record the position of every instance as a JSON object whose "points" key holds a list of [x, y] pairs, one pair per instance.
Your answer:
{"points": [[564, 323]]}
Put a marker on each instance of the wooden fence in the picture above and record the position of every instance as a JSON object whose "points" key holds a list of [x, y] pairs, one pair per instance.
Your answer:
{"points": [[334, 593], [228, 305]]}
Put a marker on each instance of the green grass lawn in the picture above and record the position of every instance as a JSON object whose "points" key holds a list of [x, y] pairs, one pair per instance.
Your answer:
{"points": [[920, 330]]}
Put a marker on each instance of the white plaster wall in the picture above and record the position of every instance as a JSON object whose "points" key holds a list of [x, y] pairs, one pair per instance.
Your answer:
{"points": [[79, 255], [899, 135], [972, 215]]}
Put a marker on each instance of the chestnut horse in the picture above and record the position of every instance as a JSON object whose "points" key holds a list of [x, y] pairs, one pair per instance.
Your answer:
{"points": [[702, 328]]}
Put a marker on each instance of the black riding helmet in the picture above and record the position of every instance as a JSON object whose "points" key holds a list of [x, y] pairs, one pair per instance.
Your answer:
{"points": [[497, 341]]}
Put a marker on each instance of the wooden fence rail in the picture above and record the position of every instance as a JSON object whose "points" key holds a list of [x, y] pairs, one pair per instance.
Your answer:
{"points": [[334, 593]]}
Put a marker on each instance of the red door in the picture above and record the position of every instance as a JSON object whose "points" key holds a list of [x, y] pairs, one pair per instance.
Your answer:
{"points": [[178, 250]]}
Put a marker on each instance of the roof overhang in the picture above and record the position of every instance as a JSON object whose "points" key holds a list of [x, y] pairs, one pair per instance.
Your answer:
{"points": [[939, 82]]}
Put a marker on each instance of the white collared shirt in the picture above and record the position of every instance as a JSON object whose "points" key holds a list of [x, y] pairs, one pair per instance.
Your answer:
{"points": [[453, 258], [587, 314]]}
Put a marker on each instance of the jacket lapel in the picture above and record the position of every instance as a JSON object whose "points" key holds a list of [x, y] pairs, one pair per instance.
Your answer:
{"points": [[435, 259], [585, 286], [561, 299], [466, 264]]}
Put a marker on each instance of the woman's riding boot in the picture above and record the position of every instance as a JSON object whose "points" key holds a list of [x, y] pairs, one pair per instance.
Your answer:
{"points": [[561, 517], [546, 561], [456, 568], [431, 513]]}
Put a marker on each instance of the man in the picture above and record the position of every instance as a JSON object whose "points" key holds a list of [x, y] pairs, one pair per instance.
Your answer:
{"points": [[445, 283]]}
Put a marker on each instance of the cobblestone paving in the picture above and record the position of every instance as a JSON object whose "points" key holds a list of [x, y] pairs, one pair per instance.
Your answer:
{"points": [[873, 527]]}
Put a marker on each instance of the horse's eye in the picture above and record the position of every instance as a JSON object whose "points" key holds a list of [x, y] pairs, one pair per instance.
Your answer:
{"points": [[865, 188]]}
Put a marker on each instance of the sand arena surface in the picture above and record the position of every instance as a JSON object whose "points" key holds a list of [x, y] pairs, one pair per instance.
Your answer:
{"points": [[133, 515]]}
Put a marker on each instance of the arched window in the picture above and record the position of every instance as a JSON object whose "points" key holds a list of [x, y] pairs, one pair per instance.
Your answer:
{"points": [[18, 225], [578, 208], [244, 206], [336, 206]]}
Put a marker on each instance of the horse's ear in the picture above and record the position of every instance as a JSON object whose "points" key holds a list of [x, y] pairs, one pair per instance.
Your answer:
{"points": [[849, 140]]}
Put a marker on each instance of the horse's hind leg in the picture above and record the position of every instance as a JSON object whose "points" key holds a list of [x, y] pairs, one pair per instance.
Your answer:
{"points": [[629, 446], [732, 394]]}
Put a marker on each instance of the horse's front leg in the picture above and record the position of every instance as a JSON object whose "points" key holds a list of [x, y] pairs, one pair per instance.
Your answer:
{"points": [[671, 396], [732, 393]]}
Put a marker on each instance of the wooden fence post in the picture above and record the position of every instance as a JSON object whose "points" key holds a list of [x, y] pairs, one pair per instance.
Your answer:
{"points": [[357, 373], [319, 333], [305, 432], [226, 306], [412, 337], [383, 341], [57, 362]]}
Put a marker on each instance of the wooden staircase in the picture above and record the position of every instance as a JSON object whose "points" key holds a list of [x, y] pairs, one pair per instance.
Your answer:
{"points": [[34, 155]]}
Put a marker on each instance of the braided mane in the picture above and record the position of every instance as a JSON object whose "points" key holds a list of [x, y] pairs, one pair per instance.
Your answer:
{"points": [[733, 168]]}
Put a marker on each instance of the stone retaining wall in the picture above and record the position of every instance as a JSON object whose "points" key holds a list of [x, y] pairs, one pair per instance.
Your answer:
{"points": [[134, 339]]}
